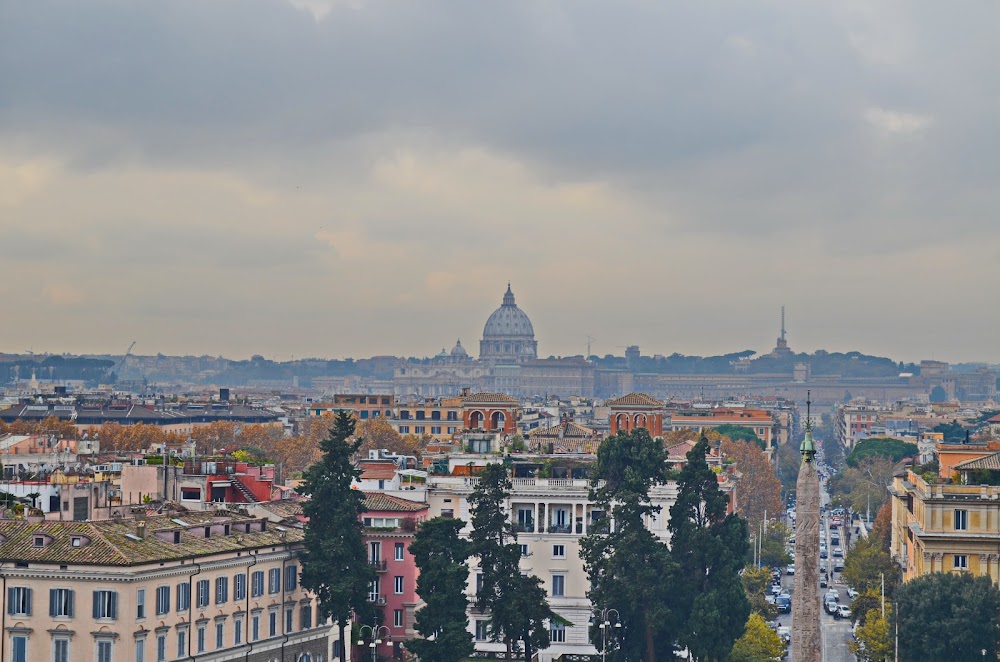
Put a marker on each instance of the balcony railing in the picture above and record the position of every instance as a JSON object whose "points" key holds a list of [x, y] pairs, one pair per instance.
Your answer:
{"points": [[557, 528], [377, 599], [379, 566], [524, 527]]}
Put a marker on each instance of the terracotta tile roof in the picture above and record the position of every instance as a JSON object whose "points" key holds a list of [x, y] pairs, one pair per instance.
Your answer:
{"points": [[379, 501], [108, 543], [634, 400], [569, 430], [377, 470], [490, 399], [285, 509], [991, 462], [680, 451]]}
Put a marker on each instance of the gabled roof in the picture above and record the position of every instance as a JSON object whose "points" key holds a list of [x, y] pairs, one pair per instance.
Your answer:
{"points": [[634, 400], [377, 470], [991, 462], [490, 399], [568, 430], [379, 501]]}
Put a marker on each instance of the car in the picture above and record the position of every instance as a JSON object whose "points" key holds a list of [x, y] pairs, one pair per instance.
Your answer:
{"points": [[784, 604], [833, 594], [822, 582], [851, 593], [834, 525], [785, 633], [770, 599], [791, 541], [843, 611], [790, 570], [838, 553], [775, 589], [838, 565], [823, 554], [822, 567], [831, 606]]}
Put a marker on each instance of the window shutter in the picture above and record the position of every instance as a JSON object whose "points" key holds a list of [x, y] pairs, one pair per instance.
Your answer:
{"points": [[114, 604], [69, 610], [52, 602], [10, 601], [27, 601], [97, 604]]}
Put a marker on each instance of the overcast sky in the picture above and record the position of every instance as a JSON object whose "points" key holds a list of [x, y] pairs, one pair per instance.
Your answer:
{"points": [[355, 177]]}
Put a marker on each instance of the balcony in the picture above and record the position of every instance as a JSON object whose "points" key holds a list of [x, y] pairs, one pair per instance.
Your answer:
{"points": [[379, 566], [524, 527], [377, 599], [561, 528]]}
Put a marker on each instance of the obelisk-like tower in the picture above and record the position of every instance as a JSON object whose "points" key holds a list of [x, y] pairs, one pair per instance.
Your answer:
{"points": [[806, 646]]}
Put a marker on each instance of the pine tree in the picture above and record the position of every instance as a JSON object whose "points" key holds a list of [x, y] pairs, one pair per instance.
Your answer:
{"points": [[709, 547], [440, 556], [630, 571], [518, 610], [335, 563]]}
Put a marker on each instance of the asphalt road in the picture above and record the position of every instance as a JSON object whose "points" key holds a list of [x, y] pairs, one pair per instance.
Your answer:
{"points": [[836, 633]]}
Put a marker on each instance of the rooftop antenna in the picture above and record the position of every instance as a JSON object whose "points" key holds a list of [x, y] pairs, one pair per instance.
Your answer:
{"points": [[782, 322], [589, 341]]}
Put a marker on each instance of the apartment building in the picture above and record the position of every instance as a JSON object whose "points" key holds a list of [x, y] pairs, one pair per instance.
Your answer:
{"points": [[758, 421], [210, 586], [945, 527], [855, 422], [551, 516]]}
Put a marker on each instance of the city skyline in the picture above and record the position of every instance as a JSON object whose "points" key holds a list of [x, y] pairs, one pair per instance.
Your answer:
{"points": [[338, 178]]}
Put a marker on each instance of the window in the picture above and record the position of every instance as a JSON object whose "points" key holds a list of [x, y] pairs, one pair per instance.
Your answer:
{"points": [[161, 648], [306, 617], [221, 590], [557, 633], [272, 623], [558, 551], [105, 604], [140, 649], [558, 585], [39, 541], [482, 630], [182, 643], [238, 631], [60, 650], [257, 584], [397, 618], [291, 577], [255, 628], [19, 649], [961, 520], [61, 602], [479, 583], [220, 634], [451, 429], [288, 620], [240, 587], [201, 638], [404, 429], [419, 429], [162, 599], [524, 549], [103, 650], [140, 603], [399, 551], [19, 601], [274, 580], [961, 562], [398, 585], [202, 593], [435, 429]]}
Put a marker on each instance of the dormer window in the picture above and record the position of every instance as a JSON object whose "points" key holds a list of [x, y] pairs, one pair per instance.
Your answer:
{"points": [[177, 537], [76, 541], [39, 541]]}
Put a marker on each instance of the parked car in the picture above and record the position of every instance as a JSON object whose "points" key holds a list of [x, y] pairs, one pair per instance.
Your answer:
{"points": [[852, 593], [843, 611], [823, 554], [831, 606], [833, 594], [790, 570], [838, 565], [775, 589], [784, 603], [822, 582], [785, 633]]}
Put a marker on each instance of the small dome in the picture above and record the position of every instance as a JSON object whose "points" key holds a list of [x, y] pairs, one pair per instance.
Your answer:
{"points": [[458, 352]]}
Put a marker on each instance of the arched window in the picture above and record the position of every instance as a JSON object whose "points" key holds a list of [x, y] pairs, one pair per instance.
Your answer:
{"points": [[476, 420], [498, 419], [305, 657]]}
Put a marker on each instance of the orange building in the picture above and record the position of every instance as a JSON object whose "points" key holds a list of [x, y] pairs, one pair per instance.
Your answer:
{"points": [[950, 455], [636, 410], [759, 421], [494, 412]]}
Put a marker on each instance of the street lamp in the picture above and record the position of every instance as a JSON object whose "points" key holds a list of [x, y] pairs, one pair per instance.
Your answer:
{"points": [[605, 625], [376, 631]]}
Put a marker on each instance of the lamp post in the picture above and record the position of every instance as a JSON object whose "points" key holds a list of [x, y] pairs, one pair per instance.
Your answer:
{"points": [[375, 630], [605, 625]]}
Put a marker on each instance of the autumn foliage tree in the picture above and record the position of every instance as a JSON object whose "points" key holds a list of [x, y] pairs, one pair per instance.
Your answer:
{"points": [[63, 429], [759, 489]]}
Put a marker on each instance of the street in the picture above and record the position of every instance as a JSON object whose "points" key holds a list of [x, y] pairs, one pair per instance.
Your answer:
{"points": [[835, 632]]}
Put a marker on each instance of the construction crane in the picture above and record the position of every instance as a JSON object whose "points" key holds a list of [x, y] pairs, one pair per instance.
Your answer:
{"points": [[116, 369]]}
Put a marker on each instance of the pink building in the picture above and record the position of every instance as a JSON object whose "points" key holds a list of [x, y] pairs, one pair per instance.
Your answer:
{"points": [[390, 524]]}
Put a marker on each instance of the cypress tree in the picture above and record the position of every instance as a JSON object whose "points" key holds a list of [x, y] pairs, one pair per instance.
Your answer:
{"points": [[335, 563]]}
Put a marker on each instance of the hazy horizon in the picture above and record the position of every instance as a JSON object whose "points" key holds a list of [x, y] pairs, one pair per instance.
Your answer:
{"points": [[332, 178]]}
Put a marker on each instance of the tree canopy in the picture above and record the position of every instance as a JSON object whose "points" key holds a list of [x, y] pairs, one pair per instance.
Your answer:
{"points": [[758, 491], [894, 449], [867, 563], [759, 643], [948, 616]]}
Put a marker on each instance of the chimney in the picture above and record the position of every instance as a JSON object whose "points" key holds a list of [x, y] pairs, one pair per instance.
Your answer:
{"points": [[140, 529]]}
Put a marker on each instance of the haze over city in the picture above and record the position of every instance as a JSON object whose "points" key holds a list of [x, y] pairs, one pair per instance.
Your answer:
{"points": [[313, 178]]}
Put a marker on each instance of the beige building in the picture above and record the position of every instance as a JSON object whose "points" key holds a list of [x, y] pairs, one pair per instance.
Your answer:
{"points": [[210, 586], [945, 528]]}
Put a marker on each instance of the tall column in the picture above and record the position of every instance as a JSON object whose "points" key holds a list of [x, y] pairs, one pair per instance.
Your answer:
{"points": [[806, 609]]}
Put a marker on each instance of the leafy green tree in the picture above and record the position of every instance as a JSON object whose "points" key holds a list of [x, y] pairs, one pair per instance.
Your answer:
{"points": [[945, 616], [863, 486], [708, 546], [865, 602], [756, 585], [759, 643], [875, 639], [866, 564], [895, 449], [440, 556], [953, 432], [518, 610], [740, 433], [335, 563], [774, 550], [629, 569]]}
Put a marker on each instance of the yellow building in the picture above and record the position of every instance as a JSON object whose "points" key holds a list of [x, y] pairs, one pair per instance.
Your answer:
{"points": [[945, 528]]}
